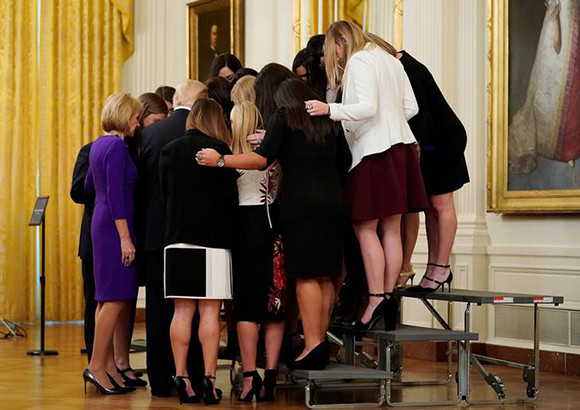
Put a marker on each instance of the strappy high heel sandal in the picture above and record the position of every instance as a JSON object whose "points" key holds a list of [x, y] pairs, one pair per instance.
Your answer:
{"points": [[270, 380], [181, 387], [376, 316], [440, 284], [207, 384], [408, 275], [390, 311], [256, 386]]}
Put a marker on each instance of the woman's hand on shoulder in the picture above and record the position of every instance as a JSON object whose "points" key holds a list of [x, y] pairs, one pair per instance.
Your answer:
{"points": [[317, 108], [257, 138], [207, 157]]}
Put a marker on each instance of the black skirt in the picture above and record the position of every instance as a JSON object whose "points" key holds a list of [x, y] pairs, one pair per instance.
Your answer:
{"points": [[257, 295], [444, 170], [313, 247]]}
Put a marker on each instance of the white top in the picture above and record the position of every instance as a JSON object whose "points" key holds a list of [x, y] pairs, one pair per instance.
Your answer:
{"points": [[259, 187], [377, 102]]}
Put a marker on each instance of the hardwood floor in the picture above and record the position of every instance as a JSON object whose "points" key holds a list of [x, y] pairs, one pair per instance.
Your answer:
{"points": [[55, 382]]}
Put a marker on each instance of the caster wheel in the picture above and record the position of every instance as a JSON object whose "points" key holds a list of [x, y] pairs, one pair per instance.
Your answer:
{"points": [[531, 392]]}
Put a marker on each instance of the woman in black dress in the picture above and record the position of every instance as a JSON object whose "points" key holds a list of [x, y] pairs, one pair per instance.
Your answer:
{"points": [[442, 139], [199, 231], [313, 154]]}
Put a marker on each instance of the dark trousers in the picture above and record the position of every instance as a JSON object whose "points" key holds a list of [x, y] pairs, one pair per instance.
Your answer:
{"points": [[90, 306], [159, 313]]}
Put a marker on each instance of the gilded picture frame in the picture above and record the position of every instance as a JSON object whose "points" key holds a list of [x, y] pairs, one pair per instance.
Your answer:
{"points": [[207, 21], [512, 188]]}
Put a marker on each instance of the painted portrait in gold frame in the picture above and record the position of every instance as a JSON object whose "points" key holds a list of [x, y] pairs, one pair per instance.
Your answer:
{"points": [[213, 27], [534, 106]]}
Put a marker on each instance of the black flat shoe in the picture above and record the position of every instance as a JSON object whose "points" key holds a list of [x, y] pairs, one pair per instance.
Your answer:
{"points": [[90, 377], [448, 280], [125, 388], [129, 381], [376, 316], [207, 384], [316, 359], [270, 380], [256, 386], [181, 386]]}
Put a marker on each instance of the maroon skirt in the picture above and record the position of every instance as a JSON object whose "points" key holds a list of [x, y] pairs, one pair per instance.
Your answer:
{"points": [[385, 184]]}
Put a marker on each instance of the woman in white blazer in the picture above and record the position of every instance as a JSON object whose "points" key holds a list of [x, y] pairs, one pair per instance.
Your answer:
{"points": [[385, 178]]}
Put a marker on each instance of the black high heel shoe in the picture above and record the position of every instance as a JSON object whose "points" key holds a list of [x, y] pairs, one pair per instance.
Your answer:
{"points": [[256, 386], [439, 284], [377, 315], [126, 389], [207, 384], [316, 359], [181, 387], [90, 377], [390, 311], [270, 380], [137, 382]]}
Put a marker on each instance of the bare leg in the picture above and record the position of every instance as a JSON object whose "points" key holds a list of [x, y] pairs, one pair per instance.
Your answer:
{"points": [[338, 281], [121, 341], [273, 334], [409, 234], [209, 334], [180, 332], [106, 320], [248, 339], [441, 226], [391, 235], [374, 262], [309, 295], [327, 288]]}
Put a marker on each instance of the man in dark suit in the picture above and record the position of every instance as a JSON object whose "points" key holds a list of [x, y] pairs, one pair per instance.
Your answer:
{"points": [[78, 195], [159, 311]]}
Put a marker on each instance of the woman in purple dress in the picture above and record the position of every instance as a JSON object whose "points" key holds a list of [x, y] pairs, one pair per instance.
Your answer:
{"points": [[112, 177]]}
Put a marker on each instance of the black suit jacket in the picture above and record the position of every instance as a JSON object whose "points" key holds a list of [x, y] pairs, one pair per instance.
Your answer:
{"points": [[153, 139], [201, 201], [78, 194]]}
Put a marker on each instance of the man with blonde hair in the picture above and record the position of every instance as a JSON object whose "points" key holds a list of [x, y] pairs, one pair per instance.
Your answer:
{"points": [[159, 311]]}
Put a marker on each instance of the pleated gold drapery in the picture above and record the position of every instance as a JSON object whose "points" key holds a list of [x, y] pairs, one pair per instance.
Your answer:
{"points": [[83, 45], [322, 13], [18, 111]]}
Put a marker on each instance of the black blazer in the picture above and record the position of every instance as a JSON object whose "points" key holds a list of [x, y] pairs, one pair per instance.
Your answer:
{"points": [[153, 139], [78, 194], [201, 201]]}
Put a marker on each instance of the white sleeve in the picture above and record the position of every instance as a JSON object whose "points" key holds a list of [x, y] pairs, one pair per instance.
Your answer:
{"points": [[362, 81], [410, 106]]}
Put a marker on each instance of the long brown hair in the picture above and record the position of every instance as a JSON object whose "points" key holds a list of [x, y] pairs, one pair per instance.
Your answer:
{"points": [[267, 83], [207, 116], [291, 96], [352, 39], [152, 104]]}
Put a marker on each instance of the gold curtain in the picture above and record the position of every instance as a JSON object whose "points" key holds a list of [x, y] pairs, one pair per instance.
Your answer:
{"points": [[18, 110], [322, 13], [83, 45]]}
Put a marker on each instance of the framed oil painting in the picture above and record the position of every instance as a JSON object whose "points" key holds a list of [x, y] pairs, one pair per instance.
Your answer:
{"points": [[214, 27], [534, 106]]}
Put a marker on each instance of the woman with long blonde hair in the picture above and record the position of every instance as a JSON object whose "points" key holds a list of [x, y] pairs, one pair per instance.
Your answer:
{"points": [[259, 283], [385, 180]]}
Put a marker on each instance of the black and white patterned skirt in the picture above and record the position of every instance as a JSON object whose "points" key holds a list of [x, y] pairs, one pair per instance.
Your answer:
{"points": [[197, 272]]}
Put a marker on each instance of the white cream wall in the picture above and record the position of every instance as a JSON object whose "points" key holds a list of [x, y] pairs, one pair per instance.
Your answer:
{"points": [[160, 41], [526, 254], [537, 254]]}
